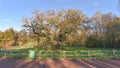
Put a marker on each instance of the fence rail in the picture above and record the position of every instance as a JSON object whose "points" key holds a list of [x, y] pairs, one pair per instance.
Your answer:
{"points": [[63, 54]]}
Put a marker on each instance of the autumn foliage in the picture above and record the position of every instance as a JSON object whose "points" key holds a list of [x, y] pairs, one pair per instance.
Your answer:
{"points": [[66, 28]]}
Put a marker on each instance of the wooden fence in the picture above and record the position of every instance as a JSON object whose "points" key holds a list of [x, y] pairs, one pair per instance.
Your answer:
{"points": [[79, 54], [63, 54]]}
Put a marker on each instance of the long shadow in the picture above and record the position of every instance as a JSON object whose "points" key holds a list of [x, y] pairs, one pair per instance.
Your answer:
{"points": [[58, 63], [28, 63], [98, 63], [79, 63], [19, 63], [111, 62], [93, 63], [6, 63], [106, 64], [33, 64]]}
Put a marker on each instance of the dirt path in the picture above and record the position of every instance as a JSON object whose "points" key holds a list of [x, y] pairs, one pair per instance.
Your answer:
{"points": [[61, 63]]}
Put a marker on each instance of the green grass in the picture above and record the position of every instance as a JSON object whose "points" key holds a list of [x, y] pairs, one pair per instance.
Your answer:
{"points": [[69, 52]]}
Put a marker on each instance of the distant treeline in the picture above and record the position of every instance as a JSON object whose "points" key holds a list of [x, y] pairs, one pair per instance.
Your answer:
{"points": [[66, 28]]}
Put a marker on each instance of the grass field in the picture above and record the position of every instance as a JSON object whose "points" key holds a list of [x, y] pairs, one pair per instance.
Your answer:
{"points": [[69, 52]]}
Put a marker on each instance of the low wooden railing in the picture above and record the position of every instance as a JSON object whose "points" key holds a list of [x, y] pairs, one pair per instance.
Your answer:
{"points": [[62, 54]]}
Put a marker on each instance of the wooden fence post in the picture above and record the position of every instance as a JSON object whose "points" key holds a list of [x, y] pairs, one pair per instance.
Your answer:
{"points": [[5, 54], [64, 54], [11, 54], [113, 51], [28, 54], [40, 56], [79, 54], [75, 54], [88, 53], [51, 54], [99, 53]]}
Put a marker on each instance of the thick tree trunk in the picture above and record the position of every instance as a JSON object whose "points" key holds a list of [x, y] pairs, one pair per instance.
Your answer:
{"points": [[38, 40]]}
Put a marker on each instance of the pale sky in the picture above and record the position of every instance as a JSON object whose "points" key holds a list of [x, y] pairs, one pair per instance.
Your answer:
{"points": [[12, 11]]}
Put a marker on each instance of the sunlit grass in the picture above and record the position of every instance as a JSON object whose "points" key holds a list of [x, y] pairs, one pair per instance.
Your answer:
{"points": [[68, 52]]}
